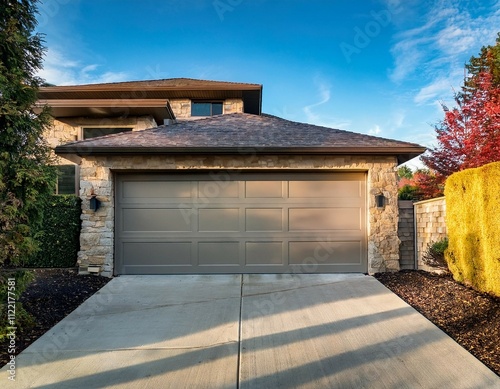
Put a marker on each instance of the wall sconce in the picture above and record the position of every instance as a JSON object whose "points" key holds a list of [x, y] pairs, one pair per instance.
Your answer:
{"points": [[380, 200], [94, 204]]}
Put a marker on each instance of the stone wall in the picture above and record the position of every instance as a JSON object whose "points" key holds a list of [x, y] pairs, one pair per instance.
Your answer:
{"points": [[181, 108], [406, 234], [431, 225], [97, 176]]}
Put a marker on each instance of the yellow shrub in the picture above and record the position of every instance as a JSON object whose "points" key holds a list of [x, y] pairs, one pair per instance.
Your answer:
{"points": [[473, 224]]}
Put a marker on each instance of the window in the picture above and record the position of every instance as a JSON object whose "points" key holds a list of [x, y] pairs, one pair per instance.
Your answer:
{"points": [[206, 108], [101, 131], [66, 179]]}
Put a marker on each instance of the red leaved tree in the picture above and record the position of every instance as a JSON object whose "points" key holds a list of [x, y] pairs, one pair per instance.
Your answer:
{"points": [[469, 135], [422, 185]]}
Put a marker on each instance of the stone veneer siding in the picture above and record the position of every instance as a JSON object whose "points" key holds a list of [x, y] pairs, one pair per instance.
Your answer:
{"points": [[430, 218], [97, 175]]}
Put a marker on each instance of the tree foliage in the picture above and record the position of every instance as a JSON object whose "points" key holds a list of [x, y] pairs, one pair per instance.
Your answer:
{"points": [[422, 184], [469, 135], [26, 179], [405, 172]]}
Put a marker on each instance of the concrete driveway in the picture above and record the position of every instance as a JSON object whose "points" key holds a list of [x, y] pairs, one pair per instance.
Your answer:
{"points": [[246, 331]]}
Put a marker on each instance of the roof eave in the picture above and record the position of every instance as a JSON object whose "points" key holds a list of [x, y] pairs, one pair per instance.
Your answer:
{"points": [[403, 154], [133, 87]]}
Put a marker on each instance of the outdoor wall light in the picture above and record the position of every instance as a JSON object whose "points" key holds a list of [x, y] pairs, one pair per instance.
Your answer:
{"points": [[94, 203], [380, 200]]}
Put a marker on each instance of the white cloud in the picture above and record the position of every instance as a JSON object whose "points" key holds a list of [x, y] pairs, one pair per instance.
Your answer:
{"points": [[404, 64], [398, 119], [435, 90], [415, 164], [321, 119], [435, 51], [61, 70], [376, 130], [324, 91], [454, 40], [89, 68]]}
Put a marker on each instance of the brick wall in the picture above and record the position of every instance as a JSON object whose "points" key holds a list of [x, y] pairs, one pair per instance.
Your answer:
{"points": [[431, 225], [406, 234]]}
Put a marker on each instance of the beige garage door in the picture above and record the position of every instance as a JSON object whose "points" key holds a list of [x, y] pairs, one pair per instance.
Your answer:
{"points": [[222, 222]]}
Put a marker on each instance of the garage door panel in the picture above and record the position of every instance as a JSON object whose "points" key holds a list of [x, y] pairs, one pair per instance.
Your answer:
{"points": [[324, 189], [263, 219], [302, 219], [218, 254], [218, 189], [167, 219], [244, 223], [219, 219], [264, 189], [156, 253], [142, 191], [264, 253], [325, 252]]}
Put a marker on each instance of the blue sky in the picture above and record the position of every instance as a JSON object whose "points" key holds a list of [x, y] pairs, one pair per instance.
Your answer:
{"points": [[379, 67]]}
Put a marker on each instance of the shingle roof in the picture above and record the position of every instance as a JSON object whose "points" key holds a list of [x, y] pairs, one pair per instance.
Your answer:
{"points": [[167, 83], [237, 132], [172, 88]]}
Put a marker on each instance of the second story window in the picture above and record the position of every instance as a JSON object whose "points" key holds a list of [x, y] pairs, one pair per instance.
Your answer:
{"points": [[206, 108]]}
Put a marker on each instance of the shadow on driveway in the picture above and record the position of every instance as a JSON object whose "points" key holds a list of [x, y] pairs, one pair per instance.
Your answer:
{"points": [[247, 331]]}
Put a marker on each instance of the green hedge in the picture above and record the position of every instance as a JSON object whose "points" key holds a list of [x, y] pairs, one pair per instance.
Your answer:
{"points": [[15, 282], [473, 223], [59, 235]]}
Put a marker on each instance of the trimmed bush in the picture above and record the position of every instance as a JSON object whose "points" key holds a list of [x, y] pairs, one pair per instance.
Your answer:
{"points": [[59, 235], [473, 223]]}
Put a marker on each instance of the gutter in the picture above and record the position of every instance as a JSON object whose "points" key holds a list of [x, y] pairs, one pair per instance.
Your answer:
{"points": [[85, 150]]}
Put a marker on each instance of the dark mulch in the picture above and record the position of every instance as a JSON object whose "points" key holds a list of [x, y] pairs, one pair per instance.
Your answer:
{"points": [[471, 318], [53, 295]]}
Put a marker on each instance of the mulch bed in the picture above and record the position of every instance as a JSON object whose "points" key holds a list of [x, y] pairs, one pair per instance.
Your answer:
{"points": [[471, 318], [53, 295]]}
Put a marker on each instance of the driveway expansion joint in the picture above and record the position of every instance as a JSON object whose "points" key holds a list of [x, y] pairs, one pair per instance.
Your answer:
{"points": [[103, 314], [290, 289]]}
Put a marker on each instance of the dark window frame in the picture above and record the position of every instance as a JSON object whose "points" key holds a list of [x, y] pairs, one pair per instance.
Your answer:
{"points": [[67, 188], [211, 104]]}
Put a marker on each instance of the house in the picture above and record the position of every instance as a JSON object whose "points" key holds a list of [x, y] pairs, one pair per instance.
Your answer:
{"points": [[237, 192], [85, 111]]}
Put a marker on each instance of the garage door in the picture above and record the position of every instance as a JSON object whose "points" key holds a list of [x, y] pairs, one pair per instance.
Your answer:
{"points": [[222, 222]]}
